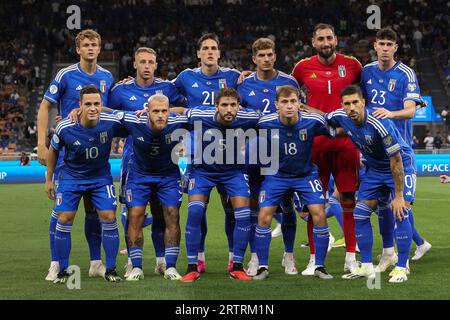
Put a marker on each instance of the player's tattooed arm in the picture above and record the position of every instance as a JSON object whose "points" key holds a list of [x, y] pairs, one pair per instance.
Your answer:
{"points": [[398, 205], [52, 158]]}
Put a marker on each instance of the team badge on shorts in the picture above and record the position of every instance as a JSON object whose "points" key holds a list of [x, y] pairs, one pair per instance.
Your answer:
{"points": [[129, 195], [303, 134], [103, 137], [262, 196], [58, 199], [191, 184]]}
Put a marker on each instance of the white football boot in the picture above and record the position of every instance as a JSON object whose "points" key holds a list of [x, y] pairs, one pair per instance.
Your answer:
{"points": [[135, 275], [311, 267], [97, 269], [53, 271]]}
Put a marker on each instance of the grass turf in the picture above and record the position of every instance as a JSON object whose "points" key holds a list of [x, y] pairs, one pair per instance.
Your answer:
{"points": [[24, 258]]}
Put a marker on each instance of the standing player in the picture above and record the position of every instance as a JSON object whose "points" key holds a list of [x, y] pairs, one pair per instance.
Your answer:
{"points": [[392, 89], [215, 170], [133, 95], [325, 75], [151, 173], [200, 87], [86, 171], [258, 91], [295, 132], [389, 175], [64, 92]]}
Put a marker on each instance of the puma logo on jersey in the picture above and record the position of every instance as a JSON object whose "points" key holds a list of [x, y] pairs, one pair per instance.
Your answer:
{"points": [[133, 98], [195, 85], [252, 93]]}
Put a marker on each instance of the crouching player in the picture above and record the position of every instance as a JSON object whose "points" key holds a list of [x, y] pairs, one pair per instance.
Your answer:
{"points": [[152, 173], [295, 132], [86, 172], [390, 173]]}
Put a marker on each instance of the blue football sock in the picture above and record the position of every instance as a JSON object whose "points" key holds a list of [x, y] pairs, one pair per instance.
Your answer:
{"points": [[230, 222], [172, 256], [204, 231], [289, 228], [277, 216], [148, 220], [335, 210], [158, 228], [241, 233], [263, 236], [111, 241], [135, 255], [254, 223], [321, 240], [63, 244], [93, 234], [386, 222], [51, 233], [363, 231], [193, 230], [415, 234], [403, 237]]}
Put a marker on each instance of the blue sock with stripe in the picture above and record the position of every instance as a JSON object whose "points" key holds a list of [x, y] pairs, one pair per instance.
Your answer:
{"points": [[254, 223], [230, 222], [51, 233], [386, 223], [158, 228], [403, 237], [93, 234], [204, 231], [289, 228], [263, 237], [363, 231], [241, 235], [193, 230], [172, 256], [135, 254], [335, 210], [63, 244], [111, 242], [321, 240], [415, 234]]}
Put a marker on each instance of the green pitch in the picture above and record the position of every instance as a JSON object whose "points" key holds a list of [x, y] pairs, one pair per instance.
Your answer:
{"points": [[24, 258]]}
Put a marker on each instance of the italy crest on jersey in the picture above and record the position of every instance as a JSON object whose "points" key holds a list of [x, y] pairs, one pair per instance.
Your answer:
{"points": [[303, 134], [103, 137], [222, 83], [342, 71], [391, 85], [168, 138], [103, 86]]}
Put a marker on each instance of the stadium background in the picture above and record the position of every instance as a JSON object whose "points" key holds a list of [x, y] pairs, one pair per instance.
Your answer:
{"points": [[35, 43]]}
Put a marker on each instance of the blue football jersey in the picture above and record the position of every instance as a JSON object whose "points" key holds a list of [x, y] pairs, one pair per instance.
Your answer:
{"points": [[377, 139], [294, 143], [200, 89], [390, 89], [152, 151], [129, 96], [87, 150], [261, 95], [226, 139], [64, 90]]}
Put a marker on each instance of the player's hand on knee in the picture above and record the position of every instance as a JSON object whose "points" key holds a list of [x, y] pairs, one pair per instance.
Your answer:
{"points": [[398, 207]]}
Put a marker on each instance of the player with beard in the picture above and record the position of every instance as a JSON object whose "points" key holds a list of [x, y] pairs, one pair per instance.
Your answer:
{"points": [[324, 76]]}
